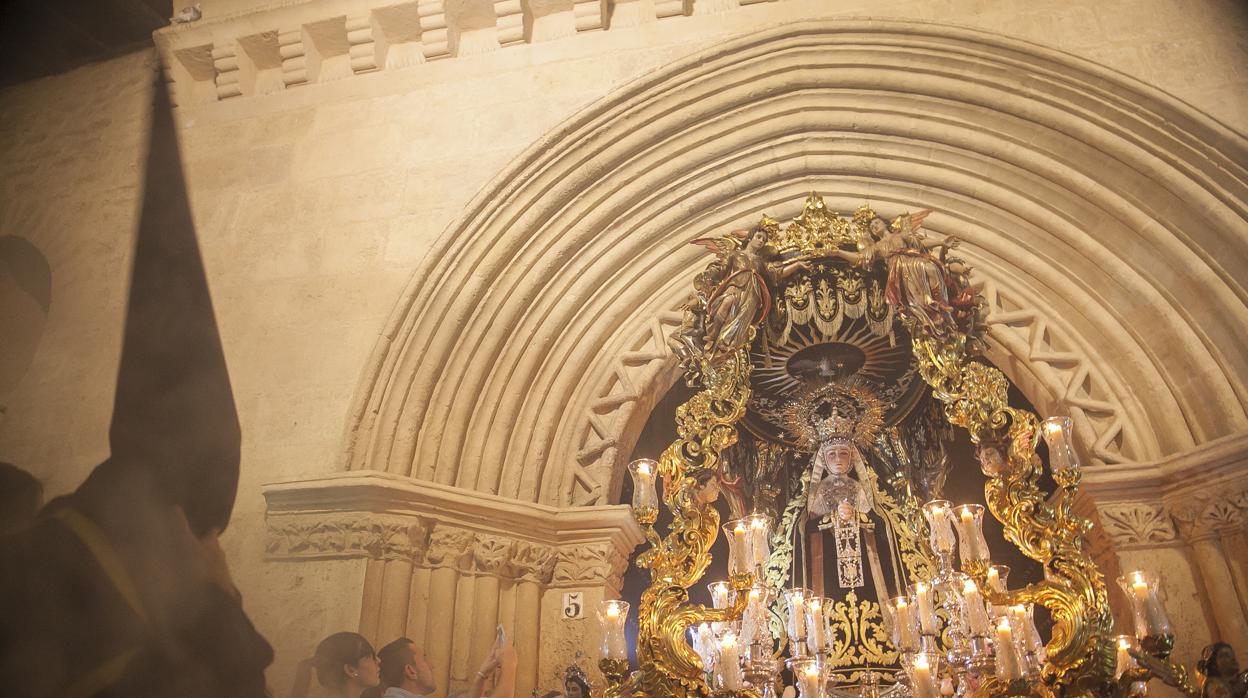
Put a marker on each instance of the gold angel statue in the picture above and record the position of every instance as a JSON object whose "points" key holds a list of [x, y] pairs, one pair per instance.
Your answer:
{"points": [[920, 282], [730, 296]]}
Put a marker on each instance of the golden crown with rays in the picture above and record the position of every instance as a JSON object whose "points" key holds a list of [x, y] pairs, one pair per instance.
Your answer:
{"points": [[846, 410]]}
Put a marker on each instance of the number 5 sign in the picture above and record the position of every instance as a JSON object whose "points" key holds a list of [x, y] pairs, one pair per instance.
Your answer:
{"points": [[573, 605]]}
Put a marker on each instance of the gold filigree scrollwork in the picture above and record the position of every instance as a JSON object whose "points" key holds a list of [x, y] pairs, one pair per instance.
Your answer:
{"points": [[859, 641], [1080, 654], [668, 666]]}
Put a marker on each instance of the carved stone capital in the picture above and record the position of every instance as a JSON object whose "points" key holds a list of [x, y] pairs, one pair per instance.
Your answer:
{"points": [[450, 547], [347, 535], [590, 565], [437, 527], [533, 562], [1133, 524], [1208, 515]]}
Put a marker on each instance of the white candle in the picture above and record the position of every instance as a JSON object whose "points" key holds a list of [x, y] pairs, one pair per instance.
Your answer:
{"points": [[797, 616], [996, 581], [1125, 661], [706, 638], [758, 542], [809, 680], [815, 624], [976, 612], [927, 609], [907, 637], [730, 662], [1008, 665], [924, 684]]}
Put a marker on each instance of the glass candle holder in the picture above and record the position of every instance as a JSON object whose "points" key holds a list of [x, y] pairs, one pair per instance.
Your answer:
{"points": [[905, 625], [924, 597], [760, 549], [816, 623], [940, 524], [706, 646], [1152, 625], [922, 671], [755, 635], [721, 597], [1009, 662], [645, 493], [1035, 643], [729, 664], [1063, 461], [1125, 662], [977, 619], [612, 615], [738, 533], [796, 622], [969, 519], [998, 578], [809, 677]]}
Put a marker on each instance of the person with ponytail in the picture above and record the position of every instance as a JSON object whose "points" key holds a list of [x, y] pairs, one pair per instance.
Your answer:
{"points": [[345, 664]]}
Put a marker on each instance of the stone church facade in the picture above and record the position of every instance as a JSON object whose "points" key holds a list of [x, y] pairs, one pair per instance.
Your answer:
{"points": [[446, 241]]}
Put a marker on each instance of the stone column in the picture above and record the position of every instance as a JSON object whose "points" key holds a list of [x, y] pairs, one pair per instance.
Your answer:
{"points": [[1202, 521], [1183, 518]]}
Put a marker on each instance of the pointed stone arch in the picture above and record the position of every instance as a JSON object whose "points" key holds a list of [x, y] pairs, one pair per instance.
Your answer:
{"points": [[1114, 208]]}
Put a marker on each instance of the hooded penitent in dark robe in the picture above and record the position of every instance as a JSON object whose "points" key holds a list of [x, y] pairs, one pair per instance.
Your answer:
{"points": [[118, 589]]}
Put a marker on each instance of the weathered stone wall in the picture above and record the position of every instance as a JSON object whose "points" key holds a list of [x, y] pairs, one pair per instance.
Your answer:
{"points": [[316, 202]]}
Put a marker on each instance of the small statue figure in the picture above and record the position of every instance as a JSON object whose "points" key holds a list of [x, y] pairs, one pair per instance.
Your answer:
{"points": [[1219, 672], [575, 683], [839, 499], [730, 297], [920, 284]]}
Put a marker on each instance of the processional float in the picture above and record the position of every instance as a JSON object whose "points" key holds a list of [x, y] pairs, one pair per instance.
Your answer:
{"points": [[833, 357]]}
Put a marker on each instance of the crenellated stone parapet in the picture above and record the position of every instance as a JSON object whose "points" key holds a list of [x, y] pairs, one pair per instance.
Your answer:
{"points": [[446, 565], [244, 51]]}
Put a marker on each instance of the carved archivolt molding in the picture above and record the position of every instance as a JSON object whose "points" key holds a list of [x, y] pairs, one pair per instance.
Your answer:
{"points": [[480, 378]]}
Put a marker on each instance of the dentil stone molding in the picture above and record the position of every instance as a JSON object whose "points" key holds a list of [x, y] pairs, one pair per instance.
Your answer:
{"points": [[278, 48], [386, 517]]}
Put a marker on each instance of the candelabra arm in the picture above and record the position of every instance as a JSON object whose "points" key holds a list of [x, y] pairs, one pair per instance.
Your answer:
{"points": [[975, 395]]}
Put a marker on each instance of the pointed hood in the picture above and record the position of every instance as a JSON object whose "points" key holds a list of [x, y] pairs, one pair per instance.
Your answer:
{"points": [[174, 419]]}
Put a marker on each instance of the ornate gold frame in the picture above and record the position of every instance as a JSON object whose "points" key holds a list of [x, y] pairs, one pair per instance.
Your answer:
{"points": [[1045, 528]]}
